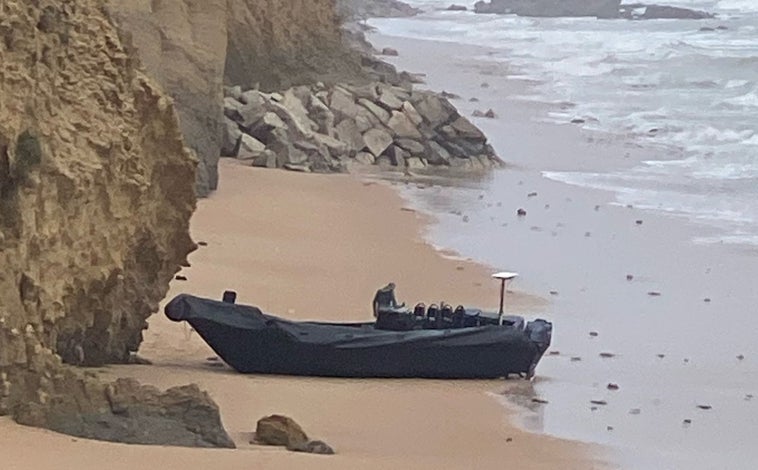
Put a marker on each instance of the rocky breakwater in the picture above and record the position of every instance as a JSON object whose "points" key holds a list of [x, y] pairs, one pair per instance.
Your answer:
{"points": [[96, 193], [326, 129]]}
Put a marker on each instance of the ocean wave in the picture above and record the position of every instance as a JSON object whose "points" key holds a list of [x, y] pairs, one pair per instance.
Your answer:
{"points": [[749, 99], [738, 5]]}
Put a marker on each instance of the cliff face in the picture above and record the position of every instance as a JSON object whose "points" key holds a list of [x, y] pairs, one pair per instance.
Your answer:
{"points": [[191, 47], [280, 43], [96, 192], [182, 45], [95, 187]]}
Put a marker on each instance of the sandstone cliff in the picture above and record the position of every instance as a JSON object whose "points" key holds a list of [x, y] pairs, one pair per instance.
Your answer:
{"points": [[280, 43], [182, 45], [96, 192], [191, 47]]}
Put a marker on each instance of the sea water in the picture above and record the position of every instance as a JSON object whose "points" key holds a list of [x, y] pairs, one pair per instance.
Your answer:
{"points": [[688, 91], [685, 86]]}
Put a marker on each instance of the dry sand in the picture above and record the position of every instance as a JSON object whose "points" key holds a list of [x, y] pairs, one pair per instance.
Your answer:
{"points": [[306, 247]]}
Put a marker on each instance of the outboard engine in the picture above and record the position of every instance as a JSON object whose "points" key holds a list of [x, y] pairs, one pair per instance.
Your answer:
{"points": [[446, 314], [540, 332], [432, 315], [419, 311], [459, 315]]}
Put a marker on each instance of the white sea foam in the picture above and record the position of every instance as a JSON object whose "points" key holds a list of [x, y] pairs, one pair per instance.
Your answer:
{"points": [[689, 92]]}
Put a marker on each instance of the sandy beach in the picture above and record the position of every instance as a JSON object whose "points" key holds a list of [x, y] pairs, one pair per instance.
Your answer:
{"points": [[307, 247]]}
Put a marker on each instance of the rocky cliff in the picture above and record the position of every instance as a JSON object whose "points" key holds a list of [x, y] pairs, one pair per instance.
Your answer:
{"points": [[182, 45], [275, 44], [96, 192], [191, 47]]}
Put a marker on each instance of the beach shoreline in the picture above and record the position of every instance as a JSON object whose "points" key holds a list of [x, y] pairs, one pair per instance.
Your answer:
{"points": [[578, 246], [316, 247]]}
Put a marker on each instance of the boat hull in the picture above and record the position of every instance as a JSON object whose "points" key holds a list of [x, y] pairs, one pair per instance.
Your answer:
{"points": [[253, 342]]}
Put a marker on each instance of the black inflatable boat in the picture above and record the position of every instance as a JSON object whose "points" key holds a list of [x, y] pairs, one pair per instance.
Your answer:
{"points": [[424, 342]]}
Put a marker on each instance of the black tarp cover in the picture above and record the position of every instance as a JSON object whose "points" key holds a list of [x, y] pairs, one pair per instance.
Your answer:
{"points": [[254, 342]]}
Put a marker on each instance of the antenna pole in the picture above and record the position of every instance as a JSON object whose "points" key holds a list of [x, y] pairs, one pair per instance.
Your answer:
{"points": [[502, 302]]}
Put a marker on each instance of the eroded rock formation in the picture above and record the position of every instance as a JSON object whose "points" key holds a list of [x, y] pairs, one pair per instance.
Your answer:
{"points": [[96, 192], [275, 44], [182, 45]]}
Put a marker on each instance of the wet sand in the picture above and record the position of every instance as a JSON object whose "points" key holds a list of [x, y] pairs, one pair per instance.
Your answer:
{"points": [[317, 247]]}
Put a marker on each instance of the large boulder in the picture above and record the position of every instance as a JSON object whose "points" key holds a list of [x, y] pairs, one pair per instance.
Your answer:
{"points": [[380, 113], [232, 136], [377, 141], [249, 148], [278, 430], [653, 12], [125, 411], [551, 8], [434, 109], [402, 126], [347, 131]]}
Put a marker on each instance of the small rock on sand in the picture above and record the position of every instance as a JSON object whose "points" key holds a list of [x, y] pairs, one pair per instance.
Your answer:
{"points": [[598, 402], [576, 359], [554, 353], [474, 100], [748, 397], [202, 243], [687, 422], [638, 222], [179, 277], [609, 428], [607, 354], [532, 194], [521, 212], [704, 407], [539, 400], [654, 294], [612, 386], [593, 333], [740, 357], [485, 85], [661, 356], [629, 277], [635, 411], [707, 299], [553, 292]]}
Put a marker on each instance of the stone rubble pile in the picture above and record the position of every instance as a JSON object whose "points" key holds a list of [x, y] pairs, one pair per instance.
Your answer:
{"points": [[324, 129]]}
